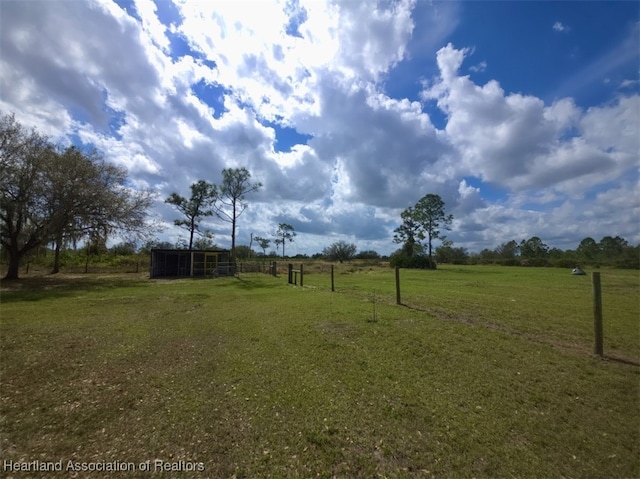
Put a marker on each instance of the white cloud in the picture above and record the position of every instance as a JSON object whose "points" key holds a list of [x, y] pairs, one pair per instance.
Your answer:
{"points": [[319, 68], [480, 67], [470, 199], [628, 84], [517, 142], [559, 27]]}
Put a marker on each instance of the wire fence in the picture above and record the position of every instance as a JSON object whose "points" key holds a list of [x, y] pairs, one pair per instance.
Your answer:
{"points": [[545, 305]]}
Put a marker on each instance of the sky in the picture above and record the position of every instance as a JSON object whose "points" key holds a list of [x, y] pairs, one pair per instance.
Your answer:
{"points": [[523, 116]]}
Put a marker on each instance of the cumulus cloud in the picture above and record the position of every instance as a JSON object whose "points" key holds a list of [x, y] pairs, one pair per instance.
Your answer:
{"points": [[518, 142], [320, 69]]}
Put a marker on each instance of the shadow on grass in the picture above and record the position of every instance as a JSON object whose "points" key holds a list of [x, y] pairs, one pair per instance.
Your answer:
{"points": [[618, 359], [36, 288]]}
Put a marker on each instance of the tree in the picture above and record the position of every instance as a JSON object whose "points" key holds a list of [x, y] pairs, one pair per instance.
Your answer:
{"points": [[90, 198], [68, 192], [340, 251], [284, 233], [534, 250], [448, 254], [421, 221], [409, 233], [154, 243], [125, 248], [243, 251], [508, 250], [205, 241], [588, 250], [368, 254], [46, 195], [264, 243], [629, 259], [611, 247], [429, 214], [25, 219], [230, 198], [114, 208], [203, 196]]}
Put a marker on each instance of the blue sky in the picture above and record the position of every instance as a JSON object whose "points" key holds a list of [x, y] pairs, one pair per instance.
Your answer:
{"points": [[523, 116]]}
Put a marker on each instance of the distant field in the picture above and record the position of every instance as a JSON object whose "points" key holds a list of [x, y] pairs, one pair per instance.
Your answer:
{"points": [[482, 372]]}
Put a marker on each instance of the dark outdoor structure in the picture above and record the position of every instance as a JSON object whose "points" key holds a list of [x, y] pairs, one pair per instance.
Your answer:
{"points": [[180, 262]]}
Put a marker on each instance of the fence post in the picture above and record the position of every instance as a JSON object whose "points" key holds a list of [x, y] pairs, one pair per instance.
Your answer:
{"points": [[398, 285], [332, 284], [290, 273], [301, 275], [597, 313], [275, 269]]}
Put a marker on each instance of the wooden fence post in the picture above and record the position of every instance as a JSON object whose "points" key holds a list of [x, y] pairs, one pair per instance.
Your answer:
{"points": [[332, 284], [301, 275], [290, 273], [398, 285], [597, 313]]}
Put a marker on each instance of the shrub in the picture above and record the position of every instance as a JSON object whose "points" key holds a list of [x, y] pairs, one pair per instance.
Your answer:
{"points": [[416, 261], [630, 259]]}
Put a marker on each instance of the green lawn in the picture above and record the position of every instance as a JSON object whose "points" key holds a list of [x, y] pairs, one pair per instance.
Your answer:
{"points": [[483, 372]]}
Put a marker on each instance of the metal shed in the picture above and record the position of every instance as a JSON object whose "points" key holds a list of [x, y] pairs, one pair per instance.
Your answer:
{"points": [[181, 263]]}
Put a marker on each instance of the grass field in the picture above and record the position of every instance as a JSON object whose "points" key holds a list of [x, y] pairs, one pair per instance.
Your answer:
{"points": [[482, 372]]}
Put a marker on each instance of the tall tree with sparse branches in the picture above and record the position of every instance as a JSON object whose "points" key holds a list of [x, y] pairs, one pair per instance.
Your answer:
{"points": [[430, 215], [284, 233], [230, 201], [264, 243], [197, 207]]}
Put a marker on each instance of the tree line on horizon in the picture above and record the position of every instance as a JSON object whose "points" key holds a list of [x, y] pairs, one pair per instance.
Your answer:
{"points": [[609, 251]]}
